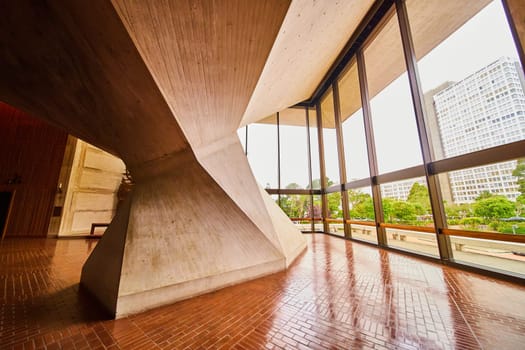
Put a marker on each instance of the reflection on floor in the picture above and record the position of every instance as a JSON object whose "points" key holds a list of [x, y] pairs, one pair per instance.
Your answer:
{"points": [[507, 257], [338, 294]]}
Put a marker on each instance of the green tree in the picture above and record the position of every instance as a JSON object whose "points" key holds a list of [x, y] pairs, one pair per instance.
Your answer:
{"points": [[316, 211], [458, 211], [519, 173], [418, 196], [494, 207], [295, 206], [334, 205], [293, 186], [396, 211], [404, 212], [484, 195], [316, 183], [361, 205], [334, 200], [520, 205], [387, 209]]}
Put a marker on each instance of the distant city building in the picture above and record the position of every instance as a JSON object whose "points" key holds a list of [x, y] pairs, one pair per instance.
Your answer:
{"points": [[484, 110], [400, 189]]}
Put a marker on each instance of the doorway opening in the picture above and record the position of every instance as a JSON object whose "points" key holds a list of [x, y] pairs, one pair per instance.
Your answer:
{"points": [[5, 204]]}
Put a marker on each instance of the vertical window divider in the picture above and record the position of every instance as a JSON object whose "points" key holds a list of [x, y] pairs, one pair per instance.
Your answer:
{"points": [[371, 150], [341, 157], [309, 149], [512, 18], [436, 201], [324, 201], [278, 161]]}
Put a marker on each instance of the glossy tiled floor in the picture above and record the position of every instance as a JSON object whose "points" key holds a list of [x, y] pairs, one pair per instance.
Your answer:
{"points": [[337, 295]]}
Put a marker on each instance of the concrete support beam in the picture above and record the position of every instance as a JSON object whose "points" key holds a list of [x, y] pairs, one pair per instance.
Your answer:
{"points": [[186, 235], [166, 94]]}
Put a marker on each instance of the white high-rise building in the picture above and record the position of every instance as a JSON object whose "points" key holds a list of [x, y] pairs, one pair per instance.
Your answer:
{"points": [[484, 110], [400, 189]]}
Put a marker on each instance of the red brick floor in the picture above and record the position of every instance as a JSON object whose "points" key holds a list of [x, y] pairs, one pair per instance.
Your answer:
{"points": [[338, 295]]}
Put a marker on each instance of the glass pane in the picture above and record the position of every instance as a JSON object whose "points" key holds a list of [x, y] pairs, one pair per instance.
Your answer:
{"points": [[356, 155], [395, 131], [400, 190], [415, 241], [488, 198], [362, 209], [470, 73], [407, 202], [364, 233], [335, 213], [330, 139], [294, 149], [314, 149], [297, 207], [317, 212], [262, 152], [361, 204], [506, 256]]}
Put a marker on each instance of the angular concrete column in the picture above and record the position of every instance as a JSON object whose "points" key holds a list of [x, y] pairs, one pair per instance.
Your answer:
{"points": [[185, 235], [163, 85]]}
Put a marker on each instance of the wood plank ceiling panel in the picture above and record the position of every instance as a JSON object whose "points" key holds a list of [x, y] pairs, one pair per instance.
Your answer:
{"points": [[206, 56], [312, 36], [432, 21], [74, 64]]}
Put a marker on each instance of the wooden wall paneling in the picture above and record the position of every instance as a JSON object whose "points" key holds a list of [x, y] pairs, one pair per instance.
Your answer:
{"points": [[31, 153], [7, 214]]}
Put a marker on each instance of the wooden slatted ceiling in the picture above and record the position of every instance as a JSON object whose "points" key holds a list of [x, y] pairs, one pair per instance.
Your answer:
{"points": [[206, 56], [205, 59], [311, 37], [73, 64], [432, 21], [350, 95]]}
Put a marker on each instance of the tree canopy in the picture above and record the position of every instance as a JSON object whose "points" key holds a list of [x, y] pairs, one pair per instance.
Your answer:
{"points": [[361, 205], [519, 173], [418, 196], [494, 207], [396, 211]]}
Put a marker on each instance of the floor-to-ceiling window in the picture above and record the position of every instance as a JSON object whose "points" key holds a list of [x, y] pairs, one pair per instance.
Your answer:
{"points": [[283, 153], [294, 167], [334, 210], [360, 204], [474, 100], [263, 151], [431, 134]]}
